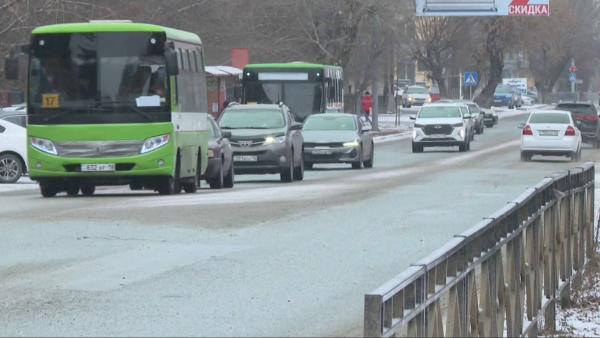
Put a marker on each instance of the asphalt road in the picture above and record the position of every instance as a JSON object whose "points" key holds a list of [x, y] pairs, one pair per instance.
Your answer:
{"points": [[265, 258]]}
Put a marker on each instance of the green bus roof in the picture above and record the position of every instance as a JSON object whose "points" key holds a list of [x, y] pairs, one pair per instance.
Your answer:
{"points": [[290, 65], [110, 27]]}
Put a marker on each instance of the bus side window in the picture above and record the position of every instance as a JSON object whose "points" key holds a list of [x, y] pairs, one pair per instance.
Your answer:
{"points": [[185, 61], [176, 80], [187, 53], [196, 62]]}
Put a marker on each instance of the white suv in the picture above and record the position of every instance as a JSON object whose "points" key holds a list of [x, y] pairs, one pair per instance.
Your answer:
{"points": [[13, 152], [441, 125]]}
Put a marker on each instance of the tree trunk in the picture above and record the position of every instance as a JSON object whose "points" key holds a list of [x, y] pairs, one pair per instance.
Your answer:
{"points": [[496, 55]]}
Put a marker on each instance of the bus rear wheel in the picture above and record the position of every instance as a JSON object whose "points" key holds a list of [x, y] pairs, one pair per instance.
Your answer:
{"points": [[88, 190]]}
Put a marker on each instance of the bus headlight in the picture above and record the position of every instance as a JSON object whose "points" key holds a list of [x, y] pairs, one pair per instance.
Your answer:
{"points": [[44, 145], [155, 142]]}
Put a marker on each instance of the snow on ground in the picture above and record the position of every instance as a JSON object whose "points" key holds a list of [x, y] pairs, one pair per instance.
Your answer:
{"points": [[23, 184], [582, 319]]}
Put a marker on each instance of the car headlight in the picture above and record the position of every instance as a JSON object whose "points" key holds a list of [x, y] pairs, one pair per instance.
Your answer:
{"points": [[351, 144], [46, 146], [155, 142], [211, 153], [410, 98], [429, 99], [414, 134], [275, 140], [462, 133]]}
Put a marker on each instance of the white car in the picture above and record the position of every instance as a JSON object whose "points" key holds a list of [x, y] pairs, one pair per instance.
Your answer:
{"points": [[13, 152], [550, 133], [415, 96], [441, 125]]}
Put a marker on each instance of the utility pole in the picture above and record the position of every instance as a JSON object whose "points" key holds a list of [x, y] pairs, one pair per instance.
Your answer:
{"points": [[572, 82], [376, 38]]}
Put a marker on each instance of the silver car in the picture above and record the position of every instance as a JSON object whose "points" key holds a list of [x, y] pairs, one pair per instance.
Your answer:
{"points": [[338, 138]]}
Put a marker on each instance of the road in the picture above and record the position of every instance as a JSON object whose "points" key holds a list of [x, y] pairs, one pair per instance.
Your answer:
{"points": [[262, 259]]}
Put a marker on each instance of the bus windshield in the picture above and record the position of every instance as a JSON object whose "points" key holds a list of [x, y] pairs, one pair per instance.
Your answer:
{"points": [[120, 76], [304, 99]]}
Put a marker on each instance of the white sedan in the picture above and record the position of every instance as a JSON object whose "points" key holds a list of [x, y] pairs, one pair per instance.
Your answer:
{"points": [[13, 152], [550, 133]]}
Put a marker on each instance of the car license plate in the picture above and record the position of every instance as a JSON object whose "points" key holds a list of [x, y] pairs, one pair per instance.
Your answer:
{"points": [[245, 158], [97, 167], [438, 136], [497, 100], [322, 152], [548, 132]]}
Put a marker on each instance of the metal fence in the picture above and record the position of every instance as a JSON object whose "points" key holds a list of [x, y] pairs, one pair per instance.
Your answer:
{"points": [[501, 277]]}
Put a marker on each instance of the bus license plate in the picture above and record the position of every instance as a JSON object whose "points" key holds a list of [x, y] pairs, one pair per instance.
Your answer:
{"points": [[245, 158], [97, 167]]}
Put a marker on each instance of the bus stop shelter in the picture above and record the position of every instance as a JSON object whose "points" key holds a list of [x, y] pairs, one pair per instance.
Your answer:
{"points": [[223, 84]]}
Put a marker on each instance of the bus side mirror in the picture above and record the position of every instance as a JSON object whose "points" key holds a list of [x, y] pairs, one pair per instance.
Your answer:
{"points": [[172, 63], [11, 68]]}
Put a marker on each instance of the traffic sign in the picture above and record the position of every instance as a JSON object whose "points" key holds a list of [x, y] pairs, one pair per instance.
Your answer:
{"points": [[471, 79], [573, 77]]}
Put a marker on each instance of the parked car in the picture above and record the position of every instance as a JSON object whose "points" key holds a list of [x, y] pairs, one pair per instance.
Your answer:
{"points": [[220, 171], [585, 116], [441, 125], [527, 100], [338, 138], [13, 152], [265, 140], [17, 117], [415, 95], [550, 133], [477, 115], [506, 96]]}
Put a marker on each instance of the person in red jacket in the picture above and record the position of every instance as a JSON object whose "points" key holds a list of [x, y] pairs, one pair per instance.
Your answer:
{"points": [[367, 104]]}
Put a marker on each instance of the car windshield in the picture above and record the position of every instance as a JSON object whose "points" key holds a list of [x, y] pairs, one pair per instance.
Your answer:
{"points": [[329, 123], [503, 90], [439, 112], [473, 108], [553, 118], [252, 119], [414, 90], [577, 109]]}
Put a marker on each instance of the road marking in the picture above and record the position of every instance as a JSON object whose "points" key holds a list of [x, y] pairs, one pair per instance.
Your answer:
{"points": [[467, 157]]}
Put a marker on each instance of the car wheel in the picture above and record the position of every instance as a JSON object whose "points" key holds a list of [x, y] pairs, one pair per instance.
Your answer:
{"points": [[481, 129], [218, 182], [597, 144], [525, 157], [462, 148], [287, 175], [88, 190], [299, 172], [369, 163], [230, 177], [48, 189], [417, 149], [358, 165], [491, 125], [73, 189], [192, 187], [308, 165], [11, 168]]}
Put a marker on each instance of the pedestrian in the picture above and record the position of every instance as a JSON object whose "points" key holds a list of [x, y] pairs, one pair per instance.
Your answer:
{"points": [[367, 105], [225, 104]]}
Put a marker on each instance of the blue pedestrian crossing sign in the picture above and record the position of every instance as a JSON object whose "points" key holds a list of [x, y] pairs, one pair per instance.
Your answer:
{"points": [[573, 77], [471, 79]]}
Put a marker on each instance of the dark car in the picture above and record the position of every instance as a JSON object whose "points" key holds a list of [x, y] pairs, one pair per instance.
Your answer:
{"points": [[338, 138], [220, 171], [265, 140], [585, 117], [477, 115]]}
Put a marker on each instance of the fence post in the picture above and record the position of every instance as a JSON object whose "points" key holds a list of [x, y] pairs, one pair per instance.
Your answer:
{"points": [[373, 316]]}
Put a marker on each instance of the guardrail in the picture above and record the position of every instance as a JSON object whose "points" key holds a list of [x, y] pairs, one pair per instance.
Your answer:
{"points": [[499, 277]]}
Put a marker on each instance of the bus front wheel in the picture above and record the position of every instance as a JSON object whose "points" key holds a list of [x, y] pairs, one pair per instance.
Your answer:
{"points": [[48, 189]]}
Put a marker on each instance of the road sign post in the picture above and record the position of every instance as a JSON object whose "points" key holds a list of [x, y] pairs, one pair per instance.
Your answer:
{"points": [[471, 80]]}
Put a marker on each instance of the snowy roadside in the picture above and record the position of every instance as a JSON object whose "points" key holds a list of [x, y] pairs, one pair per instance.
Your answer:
{"points": [[23, 184], [582, 319]]}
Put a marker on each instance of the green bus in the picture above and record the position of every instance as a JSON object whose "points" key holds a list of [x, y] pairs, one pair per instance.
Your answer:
{"points": [[116, 103], [305, 88]]}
